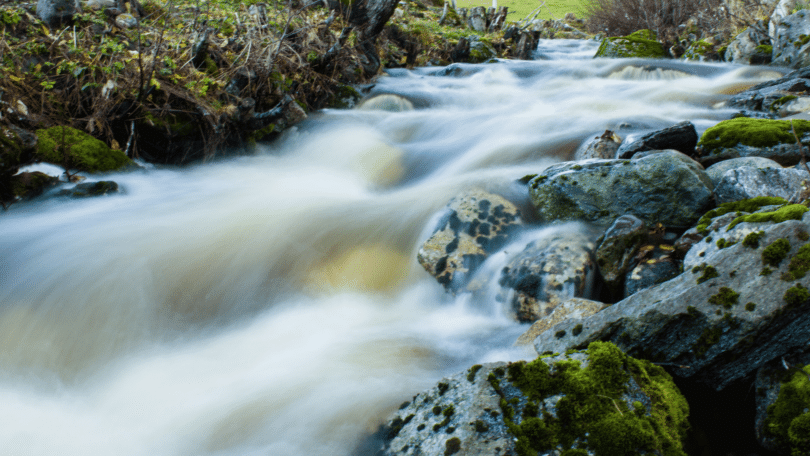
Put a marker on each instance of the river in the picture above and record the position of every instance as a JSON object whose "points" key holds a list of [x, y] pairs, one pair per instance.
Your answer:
{"points": [[272, 304]]}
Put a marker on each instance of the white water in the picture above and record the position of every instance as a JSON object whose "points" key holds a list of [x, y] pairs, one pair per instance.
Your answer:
{"points": [[272, 305]]}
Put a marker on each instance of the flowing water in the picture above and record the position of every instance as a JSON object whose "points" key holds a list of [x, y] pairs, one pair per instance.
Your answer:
{"points": [[273, 305]]}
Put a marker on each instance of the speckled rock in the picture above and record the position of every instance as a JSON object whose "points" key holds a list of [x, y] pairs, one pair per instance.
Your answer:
{"points": [[717, 170], [570, 309], [616, 253], [473, 226], [791, 48], [604, 146], [667, 187], [547, 272], [702, 318], [657, 265], [681, 137], [768, 384], [746, 182], [744, 46], [520, 408]]}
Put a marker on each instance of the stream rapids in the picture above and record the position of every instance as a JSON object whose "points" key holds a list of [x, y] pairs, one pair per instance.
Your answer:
{"points": [[273, 304]]}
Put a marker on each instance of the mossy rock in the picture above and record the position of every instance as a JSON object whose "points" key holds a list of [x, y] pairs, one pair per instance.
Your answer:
{"points": [[642, 43], [30, 185], [752, 132], [75, 149], [788, 419]]}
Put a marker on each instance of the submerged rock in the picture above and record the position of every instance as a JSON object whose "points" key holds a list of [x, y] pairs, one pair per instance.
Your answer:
{"points": [[667, 187], [547, 272], [90, 189], [741, 302], [474, 225], [595, 402], [642, 43]]}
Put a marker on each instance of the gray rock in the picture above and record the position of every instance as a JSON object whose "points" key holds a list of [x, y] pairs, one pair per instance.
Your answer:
{"points": [[717, 170], [761, 97], [604, 146], [790, 45], [570, 309], [473, 225], [547, 272], [681, 137], [55, 12], [478, 19], [747, 182], [768, 384], [744, 46], [617, 251], [658, 266], [387, 102], [465, 413], [666, 187], [779, 12], [784, 154], [701, 318], [126, 21]]}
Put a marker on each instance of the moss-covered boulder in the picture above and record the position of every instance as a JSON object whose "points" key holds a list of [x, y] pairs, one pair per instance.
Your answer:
{"points": [[748, 137], [642, 43], [75, 149], [783, 405], [597, 401], [666, 187], [30, 185]]}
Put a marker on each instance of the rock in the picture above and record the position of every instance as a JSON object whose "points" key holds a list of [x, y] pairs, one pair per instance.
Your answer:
{"points": [[746, 137], [480, 51], [547, 272], [570, 309], [666, 187], [782, 10], [126, 21], [744, 183], [100, 4], [783, 402], [657, 266], [387, 102], [746, 45], [55, 12], [702, 318], [642, 43], [90, 189], [604, 146], [717, 170], [473, 226], [702, 50], [617, 251], [478, 19], [681, 137], [75, 149], [761, 97], [537, 408], [17, 147], [791, 46], [240, 79], [525, 47], [30, 185]]}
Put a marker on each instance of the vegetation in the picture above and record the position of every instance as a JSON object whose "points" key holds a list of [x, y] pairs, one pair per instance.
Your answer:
{"points": [[752, 132], [788, 420]]}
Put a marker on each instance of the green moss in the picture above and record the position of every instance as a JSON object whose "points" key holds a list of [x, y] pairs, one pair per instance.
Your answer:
{"points": [[751, 132], [472, 371], [789, 413], [577, 329], [784, 213], [752, 239], [766, 271], [481, 426], [764, 49], [796, 295], [709, 272], [708, 337], [642, 43], [800, 263], [443, 387], [591, 410], [787, 98], [750, 306], [776, 252], [725, 297], [75, 149], [722, 243], [749, 205], [452, 446]]}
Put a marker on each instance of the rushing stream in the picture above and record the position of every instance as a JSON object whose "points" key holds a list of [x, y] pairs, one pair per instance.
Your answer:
{"points": [[273, 305]]}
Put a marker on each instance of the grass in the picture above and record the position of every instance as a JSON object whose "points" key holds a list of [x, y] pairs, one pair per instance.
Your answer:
{"points": [[519, 9]]}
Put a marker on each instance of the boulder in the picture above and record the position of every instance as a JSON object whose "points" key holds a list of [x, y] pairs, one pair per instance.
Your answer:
{"points": [[746, 137], [739, 304], [717, 170], [783, 9], [594, 402], [75, 149], [547, 272], [90, 189], [705, 50], [55, 12], [478, 19], [570, 309], [387, 102], [642, 43], [616, 253], [604, 146], [29, 185], [473, 226], [762, 97], [791, 45], [783, 404], [666, 187], [681, 137], [748, 45], [480, 51], [656, 265], [745, 183]]}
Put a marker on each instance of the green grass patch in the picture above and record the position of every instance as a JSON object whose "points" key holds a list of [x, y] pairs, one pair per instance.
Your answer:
{"points": [[519, 9]]}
